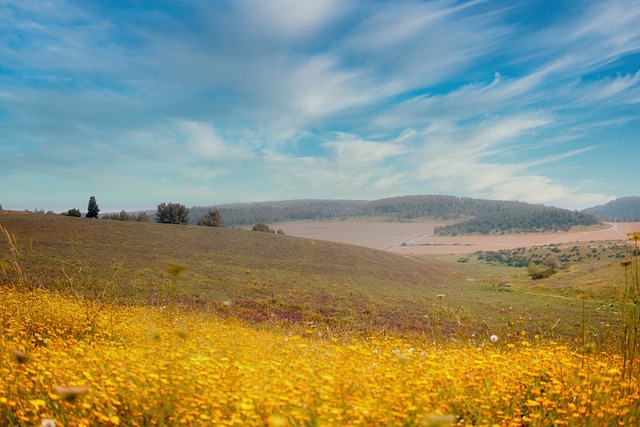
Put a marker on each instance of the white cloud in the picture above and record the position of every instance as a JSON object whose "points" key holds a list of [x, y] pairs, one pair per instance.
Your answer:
{"points": [[457, 161], [289, 19], [205, 142], [623, 88], [349, 151]]}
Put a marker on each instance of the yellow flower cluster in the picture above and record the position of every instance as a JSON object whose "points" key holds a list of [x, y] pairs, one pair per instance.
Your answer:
{"points": [[143, 366]]}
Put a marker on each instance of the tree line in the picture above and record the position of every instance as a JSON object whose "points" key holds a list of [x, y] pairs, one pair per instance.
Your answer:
{"points": [[472, 215], [475, 215], [531, 219]]}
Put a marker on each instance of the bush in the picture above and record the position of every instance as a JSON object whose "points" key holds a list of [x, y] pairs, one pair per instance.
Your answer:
{"points": [[74, 212], [537, 272], [263, 228]]}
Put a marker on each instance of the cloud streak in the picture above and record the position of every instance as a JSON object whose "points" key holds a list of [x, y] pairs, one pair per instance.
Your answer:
{"points": [[284, 99]]}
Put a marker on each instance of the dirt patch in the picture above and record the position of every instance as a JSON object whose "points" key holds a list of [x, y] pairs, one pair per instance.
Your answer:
{"points": [[418, 238], [376, 235]]}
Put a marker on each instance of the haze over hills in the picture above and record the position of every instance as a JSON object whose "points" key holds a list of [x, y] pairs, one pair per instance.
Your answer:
{"points": [[624, 209], [472, 215]]}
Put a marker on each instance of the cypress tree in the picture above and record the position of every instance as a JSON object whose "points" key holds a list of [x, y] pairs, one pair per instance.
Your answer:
{"points": [[92, 209]]}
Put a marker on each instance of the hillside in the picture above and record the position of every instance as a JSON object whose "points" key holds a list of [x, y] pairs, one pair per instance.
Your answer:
{"points": [[264, 277], [624, 209], [250, 275], [479, 216]]}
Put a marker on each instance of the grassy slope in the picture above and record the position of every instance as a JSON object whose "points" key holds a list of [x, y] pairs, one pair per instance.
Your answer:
{"points": [[278, 279]]}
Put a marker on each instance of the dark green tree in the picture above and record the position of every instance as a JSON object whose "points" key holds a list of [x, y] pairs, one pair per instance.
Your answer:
{"points": [[212, 219], [172, 213], [92, 209], [74, 212], [123, 216]]}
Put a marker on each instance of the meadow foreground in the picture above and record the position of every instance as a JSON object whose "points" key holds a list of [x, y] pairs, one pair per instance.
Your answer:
{"points": [[143, 366]]}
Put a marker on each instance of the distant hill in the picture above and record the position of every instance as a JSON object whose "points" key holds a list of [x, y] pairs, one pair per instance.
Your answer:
{"points": [[624, 209], [239, 214], [482, 216]]}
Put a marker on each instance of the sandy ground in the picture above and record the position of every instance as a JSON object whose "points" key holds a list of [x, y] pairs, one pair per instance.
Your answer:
{"points": [[418, 238]]}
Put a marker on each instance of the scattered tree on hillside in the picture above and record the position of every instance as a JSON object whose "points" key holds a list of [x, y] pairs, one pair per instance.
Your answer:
{"points": [[125, 216], [92, 209], [262, 227], [74, 212], [0, 206], [212, 219], [172, 213]]}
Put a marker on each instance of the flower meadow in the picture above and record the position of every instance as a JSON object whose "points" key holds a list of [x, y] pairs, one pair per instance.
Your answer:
{"points": [[66, 363]]}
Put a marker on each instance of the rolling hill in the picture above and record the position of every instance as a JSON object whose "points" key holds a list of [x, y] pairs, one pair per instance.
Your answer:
{"points": [[624, 209], [471, 215], [264, 277]]}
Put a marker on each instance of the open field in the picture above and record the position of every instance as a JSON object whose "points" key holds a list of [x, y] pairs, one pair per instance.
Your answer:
{"points": [[116, 323], [265, 278], [141, 366], [370, 234], [418, 238]]}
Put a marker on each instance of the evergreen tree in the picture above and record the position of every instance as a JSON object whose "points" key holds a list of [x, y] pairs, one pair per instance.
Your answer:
{"points": [[172, 213], [92, 209]]}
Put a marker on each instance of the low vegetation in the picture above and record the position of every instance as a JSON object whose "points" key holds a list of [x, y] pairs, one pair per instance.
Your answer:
{"points": [[142, 366], [142, 324]]}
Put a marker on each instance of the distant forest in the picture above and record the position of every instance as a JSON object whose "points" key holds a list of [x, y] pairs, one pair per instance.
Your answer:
{"points": [[242, 214], [530, 219], [624, 209], [471, 215]]}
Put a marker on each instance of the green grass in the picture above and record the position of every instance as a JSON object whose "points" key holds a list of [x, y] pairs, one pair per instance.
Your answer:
{"points": [[291, 282]]}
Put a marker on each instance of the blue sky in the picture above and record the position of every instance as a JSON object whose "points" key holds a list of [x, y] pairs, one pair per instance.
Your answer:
{"points": [[200, 102]]}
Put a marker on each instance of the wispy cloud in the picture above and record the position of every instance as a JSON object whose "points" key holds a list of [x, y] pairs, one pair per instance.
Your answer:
{"points": [[285, 99]]}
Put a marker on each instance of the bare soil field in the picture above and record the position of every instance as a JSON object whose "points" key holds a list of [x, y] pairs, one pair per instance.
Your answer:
{"points": [[418, 238]]}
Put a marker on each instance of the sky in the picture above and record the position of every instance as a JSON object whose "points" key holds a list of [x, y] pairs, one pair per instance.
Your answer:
{"points": [[211, 102]]}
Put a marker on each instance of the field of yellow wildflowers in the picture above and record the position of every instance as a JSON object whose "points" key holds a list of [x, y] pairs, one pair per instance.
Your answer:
{"points": [[146, 366]]}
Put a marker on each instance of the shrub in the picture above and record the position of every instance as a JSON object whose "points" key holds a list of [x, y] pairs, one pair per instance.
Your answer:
{"points": [[263, 228], [74, 212]]}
